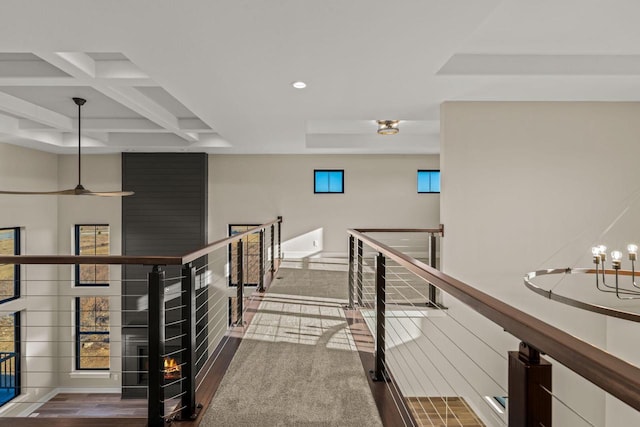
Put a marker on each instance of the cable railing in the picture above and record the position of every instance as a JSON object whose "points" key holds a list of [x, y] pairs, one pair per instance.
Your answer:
{"points": [[447, 356], [153, 335]]}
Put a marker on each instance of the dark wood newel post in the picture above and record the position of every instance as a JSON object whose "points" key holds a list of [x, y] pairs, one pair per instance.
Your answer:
{"points": [[433, 295], [155, 404], [379, 372], [529, 376]]}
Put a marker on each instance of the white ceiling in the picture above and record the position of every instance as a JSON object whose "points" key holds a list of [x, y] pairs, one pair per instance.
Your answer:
{"points": [[215, 76]]}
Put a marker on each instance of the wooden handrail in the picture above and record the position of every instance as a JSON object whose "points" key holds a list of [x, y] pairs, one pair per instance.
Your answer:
{"points": [[224, 242], [439, 230], [124, 259], [615, 376]]}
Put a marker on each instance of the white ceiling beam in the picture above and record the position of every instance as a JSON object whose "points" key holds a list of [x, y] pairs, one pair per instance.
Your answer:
{"points": [[74, 63], [121, 69], [81, 65], [141, 104], [194, 125], [72, 81], [124, 126], [104, 125], [18, 107]]}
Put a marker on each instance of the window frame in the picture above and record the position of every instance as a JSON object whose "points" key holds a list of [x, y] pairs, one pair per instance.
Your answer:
{"points": [[315, 177], [79, 333], [418, 181], [17, 243], [76, 234]]}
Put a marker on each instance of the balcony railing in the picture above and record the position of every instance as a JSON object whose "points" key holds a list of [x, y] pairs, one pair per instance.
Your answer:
{"points": [[164, 331], [447, 352], [9, 383]]}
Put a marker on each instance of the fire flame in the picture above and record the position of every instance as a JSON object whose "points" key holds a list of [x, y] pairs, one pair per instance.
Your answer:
{"points": [[170, 365]]}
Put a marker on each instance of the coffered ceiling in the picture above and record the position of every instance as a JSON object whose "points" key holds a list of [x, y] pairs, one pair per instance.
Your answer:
{"points": [[215, 76]]}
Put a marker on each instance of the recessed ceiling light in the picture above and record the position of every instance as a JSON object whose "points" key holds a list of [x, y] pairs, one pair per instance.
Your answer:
{"points": [[299, 85]]}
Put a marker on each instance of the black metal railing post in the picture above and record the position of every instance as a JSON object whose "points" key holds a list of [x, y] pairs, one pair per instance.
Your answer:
{"points": [[379, 372], [351, 258], [273, 251], [359, 273], [280, 239], [240, 290], [529, 388], [261, 280], [189, 407], [433, 294], [155, 404]]}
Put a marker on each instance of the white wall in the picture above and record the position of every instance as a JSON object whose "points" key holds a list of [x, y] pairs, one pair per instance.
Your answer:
{"points": [[528, 186], [380, 191], [29, 170]]}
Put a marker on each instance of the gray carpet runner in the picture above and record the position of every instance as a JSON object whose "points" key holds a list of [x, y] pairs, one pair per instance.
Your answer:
{"points": [[298, 364]]}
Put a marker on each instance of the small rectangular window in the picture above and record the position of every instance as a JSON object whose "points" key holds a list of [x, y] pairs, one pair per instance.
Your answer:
{"points": [[9, 357], [328, 181], [428, 181], [92, 239], [92, 333], [9, 273]]}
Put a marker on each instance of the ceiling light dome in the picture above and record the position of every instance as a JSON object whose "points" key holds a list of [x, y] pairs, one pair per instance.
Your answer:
{"points": [[388, 127]]}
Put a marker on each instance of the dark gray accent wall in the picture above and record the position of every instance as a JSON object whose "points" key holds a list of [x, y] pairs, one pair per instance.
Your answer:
{"points": [[167, 215]]}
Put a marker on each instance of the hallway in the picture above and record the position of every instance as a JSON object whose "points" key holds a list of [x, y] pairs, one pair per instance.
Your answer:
{"points": [[298, 363]]}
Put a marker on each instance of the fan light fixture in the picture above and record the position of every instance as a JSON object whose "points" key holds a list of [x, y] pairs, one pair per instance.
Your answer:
{"points": [[388, 127], [79, 190]]}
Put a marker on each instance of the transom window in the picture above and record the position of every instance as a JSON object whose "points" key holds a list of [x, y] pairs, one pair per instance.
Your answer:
{"points": [[9, 273], [428, 181], [92, 239], [92, 333], [328, 181]]}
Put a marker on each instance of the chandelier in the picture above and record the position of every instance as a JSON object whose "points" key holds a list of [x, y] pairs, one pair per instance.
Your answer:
{"points": [[599, 253]]}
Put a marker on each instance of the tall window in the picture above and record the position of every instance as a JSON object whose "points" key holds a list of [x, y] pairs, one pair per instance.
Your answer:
{"points": [[428, 181], [92, 333], [9, 273], [328, 181], [92, 239], [9, 357]]}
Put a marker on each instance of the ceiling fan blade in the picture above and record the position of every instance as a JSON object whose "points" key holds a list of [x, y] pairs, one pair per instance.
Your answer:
{"points": [[109, 193], [34, 193], [70, 192]]}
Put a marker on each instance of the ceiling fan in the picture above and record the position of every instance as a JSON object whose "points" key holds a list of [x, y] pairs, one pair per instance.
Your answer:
{"points": [[79, 190]]}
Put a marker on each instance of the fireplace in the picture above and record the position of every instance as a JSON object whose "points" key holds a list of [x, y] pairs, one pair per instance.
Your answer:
{"points": [[172, 369]]}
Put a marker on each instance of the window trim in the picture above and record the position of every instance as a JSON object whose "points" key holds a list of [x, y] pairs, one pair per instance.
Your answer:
{"points": [[315, 173], [76, 234], [418, 179], [17, 243], [78, 334]]}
